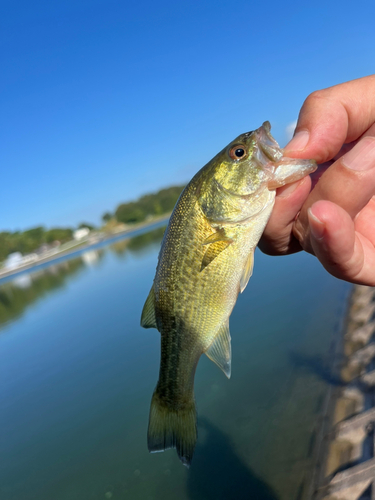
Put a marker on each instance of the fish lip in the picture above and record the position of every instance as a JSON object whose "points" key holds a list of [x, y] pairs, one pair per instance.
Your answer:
{"points": [[267, 143]]}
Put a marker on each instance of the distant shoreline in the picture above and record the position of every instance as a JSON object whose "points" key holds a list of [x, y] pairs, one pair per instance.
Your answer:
{"points": [[104, 238]]}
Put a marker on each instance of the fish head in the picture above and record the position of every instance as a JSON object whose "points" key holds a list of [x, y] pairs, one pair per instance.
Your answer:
{"points": [[234, 184]]}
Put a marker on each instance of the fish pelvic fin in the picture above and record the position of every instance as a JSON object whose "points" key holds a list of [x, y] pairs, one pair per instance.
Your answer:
{"points": [[148, 319], [220, 351], [169, 428]]}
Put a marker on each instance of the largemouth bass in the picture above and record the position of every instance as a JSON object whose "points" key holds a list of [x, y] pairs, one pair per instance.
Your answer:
{"points": [[205, 260]]}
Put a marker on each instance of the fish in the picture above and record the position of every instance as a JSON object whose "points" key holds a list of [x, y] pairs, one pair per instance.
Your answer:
{"points": [[205, 261]]}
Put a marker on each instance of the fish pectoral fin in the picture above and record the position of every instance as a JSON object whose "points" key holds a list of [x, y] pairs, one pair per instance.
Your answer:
{"points": [[218, 235], [247, 271], [220, 351], [148, 319], [213, 250]]}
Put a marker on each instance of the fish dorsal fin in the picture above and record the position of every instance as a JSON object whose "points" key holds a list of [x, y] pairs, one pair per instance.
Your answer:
{"points": [[148, 319], [247, 271], [220, 351]]}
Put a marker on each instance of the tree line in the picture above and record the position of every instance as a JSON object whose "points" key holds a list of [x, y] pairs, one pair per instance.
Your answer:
{"points": [[30, 240], [147, 206]]}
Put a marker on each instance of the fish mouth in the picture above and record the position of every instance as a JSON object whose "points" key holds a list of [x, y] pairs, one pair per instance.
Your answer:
{"points": [[267, 144]]}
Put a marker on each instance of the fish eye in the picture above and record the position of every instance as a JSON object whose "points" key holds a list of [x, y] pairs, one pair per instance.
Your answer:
{"points": [[238, 152]]}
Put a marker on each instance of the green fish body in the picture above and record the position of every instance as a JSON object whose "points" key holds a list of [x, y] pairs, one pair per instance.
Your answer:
{"points": [[205, 260]]}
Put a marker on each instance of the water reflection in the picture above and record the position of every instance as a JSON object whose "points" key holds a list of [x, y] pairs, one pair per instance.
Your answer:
{"points": [[91, 257], [218, 473], [119, 248], [142, 242], [26, 289], [139, 245], [22, 281]]}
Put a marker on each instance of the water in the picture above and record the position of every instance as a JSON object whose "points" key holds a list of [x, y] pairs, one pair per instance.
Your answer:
{"points": [[78, 372]]}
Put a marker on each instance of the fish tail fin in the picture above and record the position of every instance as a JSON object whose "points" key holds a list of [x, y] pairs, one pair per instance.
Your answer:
{"points": [[172, 429]]}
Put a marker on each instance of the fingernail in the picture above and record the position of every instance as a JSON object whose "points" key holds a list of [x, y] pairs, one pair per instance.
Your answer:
{"points": [[362, 156], [299, 141], [316, 225]]}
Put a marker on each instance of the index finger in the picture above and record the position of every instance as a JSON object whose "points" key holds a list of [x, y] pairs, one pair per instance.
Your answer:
{"points": [[331, 117]]}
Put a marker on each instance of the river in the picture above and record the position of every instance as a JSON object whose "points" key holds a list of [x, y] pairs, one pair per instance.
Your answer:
{"points": [[78, 372]]}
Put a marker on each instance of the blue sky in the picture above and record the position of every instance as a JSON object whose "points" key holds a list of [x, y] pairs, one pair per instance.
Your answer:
{"points": [[104, 100]]}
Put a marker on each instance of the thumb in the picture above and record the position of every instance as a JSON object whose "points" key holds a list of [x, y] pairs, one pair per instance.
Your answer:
{"points": [[331, 117]]}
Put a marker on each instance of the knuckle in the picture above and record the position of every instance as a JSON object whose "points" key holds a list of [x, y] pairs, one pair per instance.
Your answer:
{"points": [[282, 244], [317, 95], [302, 235], [299, 232]]}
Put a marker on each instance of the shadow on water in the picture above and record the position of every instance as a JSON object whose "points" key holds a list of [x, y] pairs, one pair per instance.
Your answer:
{"points": [[217, 473], [317, 366]]}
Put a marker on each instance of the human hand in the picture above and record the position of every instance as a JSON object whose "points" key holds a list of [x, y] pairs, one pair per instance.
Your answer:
{"points": [[336, 220]]}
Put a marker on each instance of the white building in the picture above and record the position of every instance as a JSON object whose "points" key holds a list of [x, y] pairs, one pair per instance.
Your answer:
{"points": [[13, 260], [16, 259], [79, 234]]}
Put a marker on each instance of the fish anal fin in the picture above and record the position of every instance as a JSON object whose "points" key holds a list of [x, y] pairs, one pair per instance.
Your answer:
{"points": [[247, 271], [213, 250], [220, 351], [148, 319]]}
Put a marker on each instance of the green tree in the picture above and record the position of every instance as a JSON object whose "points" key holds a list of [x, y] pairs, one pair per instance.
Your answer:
{"points": [[30, 240], [107, 217], [130, 213], [59, 234], [150, 204], [86, 224]]}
